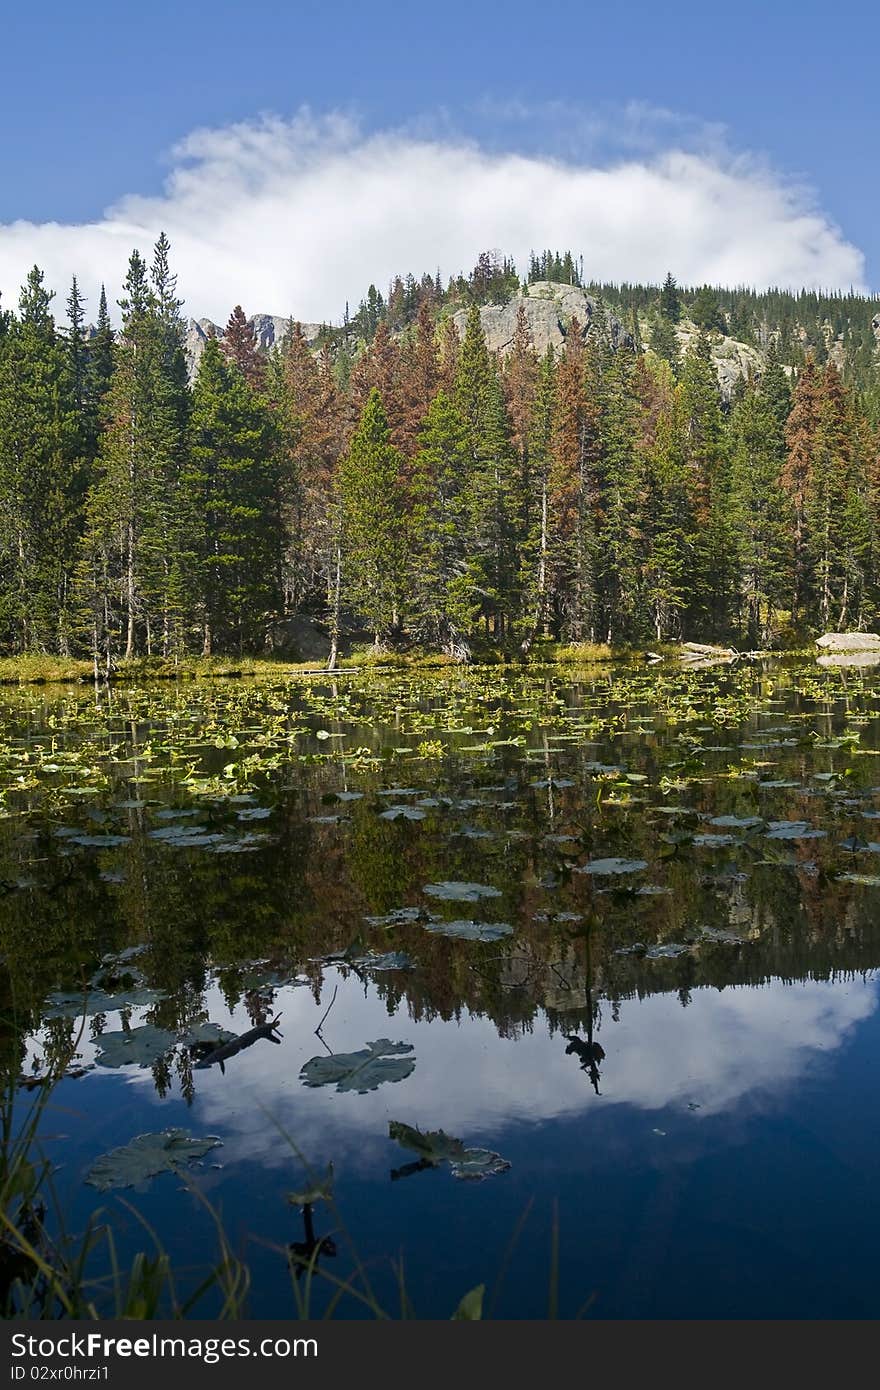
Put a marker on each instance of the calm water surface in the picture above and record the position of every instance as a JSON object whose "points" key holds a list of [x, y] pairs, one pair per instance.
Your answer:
{"points": [[620, 931]]}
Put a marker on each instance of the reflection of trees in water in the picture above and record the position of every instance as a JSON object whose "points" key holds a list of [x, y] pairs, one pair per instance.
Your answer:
{"points": [[306, 895]]}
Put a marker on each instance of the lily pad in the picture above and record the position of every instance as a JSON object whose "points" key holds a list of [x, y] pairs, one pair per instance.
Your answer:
{"points": [[98, 1001], [736, 822], [136, 1046], [99, 841], [402, 813], [361, 1071], [470, 931], [793, 830], [613, 866], [435, 1147], [206, 1033], [455, 891], [390, 960], [398, 917], [715, 841], [144, 1157], [477, 1164]]}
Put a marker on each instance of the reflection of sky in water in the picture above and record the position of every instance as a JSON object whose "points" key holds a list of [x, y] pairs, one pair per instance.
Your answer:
{"points": [[739, 1045], [669, 1209]]}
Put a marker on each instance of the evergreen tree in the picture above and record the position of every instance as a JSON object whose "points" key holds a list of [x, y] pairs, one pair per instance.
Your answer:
{"points": [[705, 452], [438, 534], [376, 543], [619, 543], [664, 342], [232, 491], [761, 514], [669, 303], [41, 477], [239, 344], [136, 530]]}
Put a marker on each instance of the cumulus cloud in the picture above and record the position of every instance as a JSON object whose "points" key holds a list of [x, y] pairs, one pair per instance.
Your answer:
{"points": [[299, 216]]}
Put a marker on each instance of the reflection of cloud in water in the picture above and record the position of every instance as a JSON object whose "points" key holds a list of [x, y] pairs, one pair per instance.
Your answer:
{"points": [[737, 1045]]}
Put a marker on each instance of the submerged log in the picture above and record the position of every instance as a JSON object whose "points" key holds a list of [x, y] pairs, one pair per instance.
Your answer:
{"points": [[231, 1049]]}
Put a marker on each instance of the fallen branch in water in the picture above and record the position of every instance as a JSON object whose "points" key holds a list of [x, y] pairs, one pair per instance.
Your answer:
{"points": [[230, 1049]]}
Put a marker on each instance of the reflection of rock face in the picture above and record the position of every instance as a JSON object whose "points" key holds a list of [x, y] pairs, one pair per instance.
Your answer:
{"points": [[549, 310]]}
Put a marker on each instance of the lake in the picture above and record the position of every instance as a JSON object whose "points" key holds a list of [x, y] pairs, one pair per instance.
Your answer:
{"points": [[573, 971]]}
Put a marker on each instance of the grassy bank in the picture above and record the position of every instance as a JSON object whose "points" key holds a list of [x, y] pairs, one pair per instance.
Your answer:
{"points": [[45, 670]]}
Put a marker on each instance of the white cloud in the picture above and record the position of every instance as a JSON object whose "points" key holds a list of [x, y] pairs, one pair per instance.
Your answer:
{"points": [[736, 1051], [298, 216]]}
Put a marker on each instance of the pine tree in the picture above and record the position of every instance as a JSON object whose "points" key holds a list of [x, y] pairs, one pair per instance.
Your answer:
{"points": [[664, 343], [239, 344], [135, 527], [800, 434], [713, 585], [438, 535], [668, 519], [232, 487], [535, 546], [761, 513], [669, 303], [375, 538], [41, 477], [619, 543]]}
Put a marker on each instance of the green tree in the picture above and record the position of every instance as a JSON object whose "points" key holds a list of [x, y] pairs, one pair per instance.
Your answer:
{"points": [[231, 491], [438, 537], [375, 539], [669, 303], [41, 476]]}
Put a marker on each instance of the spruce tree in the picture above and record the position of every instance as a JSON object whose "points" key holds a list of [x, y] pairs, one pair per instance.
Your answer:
{"points": [[438, 535], [375, 538], [41, 477], [231, 490]]}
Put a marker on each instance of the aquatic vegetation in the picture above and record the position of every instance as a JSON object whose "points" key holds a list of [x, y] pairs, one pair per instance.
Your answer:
{"points": [[523, 851], [133, 1164], [361, 1071]]}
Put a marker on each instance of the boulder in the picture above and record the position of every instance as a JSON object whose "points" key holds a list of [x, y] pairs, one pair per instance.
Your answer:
{"points": [[298, 639], [849, 642]]}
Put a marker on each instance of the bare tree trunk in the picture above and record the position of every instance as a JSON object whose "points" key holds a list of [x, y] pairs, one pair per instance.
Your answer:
{"points": [[334, 621], [540, 598]]}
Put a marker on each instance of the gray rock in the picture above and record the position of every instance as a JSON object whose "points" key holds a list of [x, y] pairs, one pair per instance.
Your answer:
{"points": [[269, 329], [549, 309], [849, 642]]}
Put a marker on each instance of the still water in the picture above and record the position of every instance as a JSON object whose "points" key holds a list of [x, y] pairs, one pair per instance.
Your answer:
{"points": [[613, 932]]}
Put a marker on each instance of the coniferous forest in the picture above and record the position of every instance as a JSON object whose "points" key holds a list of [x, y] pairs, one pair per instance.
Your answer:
{"points": [[398, 482]]}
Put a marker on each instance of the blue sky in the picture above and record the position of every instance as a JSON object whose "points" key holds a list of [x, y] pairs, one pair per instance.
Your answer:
{"points": [[95, 98]]}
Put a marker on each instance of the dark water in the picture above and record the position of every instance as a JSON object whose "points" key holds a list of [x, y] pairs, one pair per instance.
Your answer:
{"points": [[675, 1052]]}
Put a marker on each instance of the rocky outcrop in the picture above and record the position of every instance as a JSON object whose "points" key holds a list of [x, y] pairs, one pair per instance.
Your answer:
{"points": [[849, 642], [732, 359], [269, 329], [549, 309]]}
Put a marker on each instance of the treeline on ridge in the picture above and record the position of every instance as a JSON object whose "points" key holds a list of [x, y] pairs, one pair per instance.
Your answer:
{"points": [[421, 489]]}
